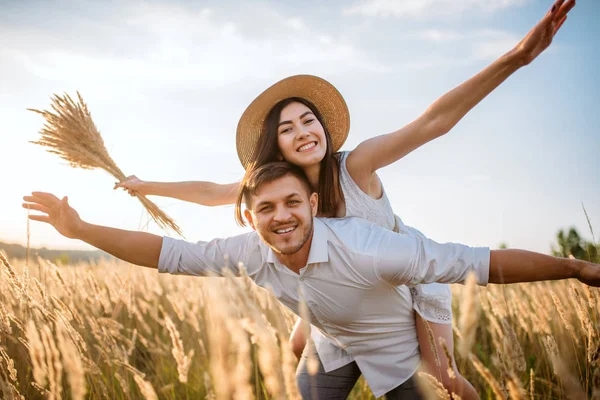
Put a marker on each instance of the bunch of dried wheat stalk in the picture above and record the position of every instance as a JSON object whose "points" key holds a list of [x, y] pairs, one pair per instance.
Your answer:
{"points": [[70, 133]]}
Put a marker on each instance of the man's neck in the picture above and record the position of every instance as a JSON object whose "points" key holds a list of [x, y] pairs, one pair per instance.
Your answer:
{"points": [[298, 260]]}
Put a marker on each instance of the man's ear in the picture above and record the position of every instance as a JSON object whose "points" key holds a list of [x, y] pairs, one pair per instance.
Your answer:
{"points": [[248, 216], [314, 203]]}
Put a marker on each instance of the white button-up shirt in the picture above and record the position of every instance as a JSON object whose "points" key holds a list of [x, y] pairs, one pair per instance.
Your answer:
{"points": [[355, 285]]}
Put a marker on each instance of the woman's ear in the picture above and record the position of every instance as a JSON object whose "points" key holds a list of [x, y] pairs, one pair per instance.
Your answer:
{"points": [[248, 216], [279, 156]]}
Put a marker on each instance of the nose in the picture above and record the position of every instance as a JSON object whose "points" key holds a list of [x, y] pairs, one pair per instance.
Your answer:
{"points": [[302, 132], [282, 214]]}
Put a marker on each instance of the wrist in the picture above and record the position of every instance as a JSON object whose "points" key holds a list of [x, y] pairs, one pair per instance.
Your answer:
{"points": [[515, 58], [574, 267], [80, 230], [147, 188]]}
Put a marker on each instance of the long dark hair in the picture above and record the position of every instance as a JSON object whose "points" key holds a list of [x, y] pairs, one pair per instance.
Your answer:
{"points": [[267, 150]]}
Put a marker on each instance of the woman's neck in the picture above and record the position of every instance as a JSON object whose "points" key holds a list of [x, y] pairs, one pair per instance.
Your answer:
{"points": [[312, 174]]}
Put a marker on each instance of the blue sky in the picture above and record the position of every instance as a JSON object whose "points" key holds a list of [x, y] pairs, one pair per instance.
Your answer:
{"points": [[167, 81]]}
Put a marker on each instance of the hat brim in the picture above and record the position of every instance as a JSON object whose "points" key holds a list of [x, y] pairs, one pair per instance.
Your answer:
{"points": [[325, 97]]}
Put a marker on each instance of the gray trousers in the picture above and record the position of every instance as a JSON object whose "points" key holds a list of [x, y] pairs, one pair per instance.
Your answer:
{"points": [[338, 383]]}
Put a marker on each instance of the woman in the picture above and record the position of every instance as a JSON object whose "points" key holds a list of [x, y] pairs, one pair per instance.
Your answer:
{"points": [[305, 121]]}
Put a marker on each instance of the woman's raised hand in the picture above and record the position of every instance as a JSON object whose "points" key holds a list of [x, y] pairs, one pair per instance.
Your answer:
{"points": [[540, 37], [132, 184]]}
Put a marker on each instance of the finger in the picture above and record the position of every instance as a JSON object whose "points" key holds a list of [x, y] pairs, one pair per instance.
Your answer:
{"points": [[41, 218], [36, 207], [565, 8], [44, 200], [556, 6], [568, 6], [560, 23], [49, 197], [38, 200]]}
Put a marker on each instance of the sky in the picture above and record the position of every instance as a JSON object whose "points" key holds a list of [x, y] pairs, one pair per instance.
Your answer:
{"points": [[166, 82]]}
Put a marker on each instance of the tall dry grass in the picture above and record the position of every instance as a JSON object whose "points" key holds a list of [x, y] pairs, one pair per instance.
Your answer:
{"points": [[70, 133], [115, 331]]}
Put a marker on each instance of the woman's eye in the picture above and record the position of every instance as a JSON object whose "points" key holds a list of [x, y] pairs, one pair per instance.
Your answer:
{"points": [[286, 130], [309, 121]]}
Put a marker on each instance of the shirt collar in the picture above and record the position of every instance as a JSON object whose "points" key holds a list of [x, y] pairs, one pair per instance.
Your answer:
{"points": [[318, 248]]}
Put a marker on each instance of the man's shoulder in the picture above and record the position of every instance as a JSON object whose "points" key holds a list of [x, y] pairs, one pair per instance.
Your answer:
{"points": [[355, 233], [356, 223]]}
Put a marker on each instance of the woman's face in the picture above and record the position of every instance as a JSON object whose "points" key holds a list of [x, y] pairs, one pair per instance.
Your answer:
{"points": [[300, 136]]}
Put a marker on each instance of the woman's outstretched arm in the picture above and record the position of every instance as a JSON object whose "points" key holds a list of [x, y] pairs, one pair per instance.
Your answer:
{"points": [[203, 193], [445, 112]]}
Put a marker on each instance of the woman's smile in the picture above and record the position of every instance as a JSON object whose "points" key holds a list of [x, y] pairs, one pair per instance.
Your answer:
{"points": [[307, 147]]}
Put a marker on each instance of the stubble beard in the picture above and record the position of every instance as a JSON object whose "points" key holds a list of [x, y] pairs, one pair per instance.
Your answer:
{"points": [[292, 248]]}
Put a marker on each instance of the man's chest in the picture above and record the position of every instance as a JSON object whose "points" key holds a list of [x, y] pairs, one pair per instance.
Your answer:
{"points": [[338, 297]]}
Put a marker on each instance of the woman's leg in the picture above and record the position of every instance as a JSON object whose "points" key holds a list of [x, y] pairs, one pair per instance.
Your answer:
{"points": [[297, 338], [459, 384]]}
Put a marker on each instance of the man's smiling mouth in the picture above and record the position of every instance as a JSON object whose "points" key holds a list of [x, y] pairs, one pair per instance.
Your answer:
{"points": [[285, 230]]}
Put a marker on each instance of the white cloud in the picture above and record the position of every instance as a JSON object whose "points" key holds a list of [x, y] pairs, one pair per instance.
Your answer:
{"points": [[174, 46], [427, 8], [436, 35], [473, 46]]}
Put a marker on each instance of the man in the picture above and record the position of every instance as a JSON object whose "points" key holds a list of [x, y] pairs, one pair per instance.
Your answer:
{"points": [[352, 273]]}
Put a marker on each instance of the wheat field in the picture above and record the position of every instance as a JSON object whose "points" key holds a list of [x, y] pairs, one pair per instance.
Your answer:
{"points": [[117, 331]]}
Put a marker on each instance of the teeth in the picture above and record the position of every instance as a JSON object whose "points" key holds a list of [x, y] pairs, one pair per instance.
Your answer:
{"points": [[307, 146], [286, 230]]}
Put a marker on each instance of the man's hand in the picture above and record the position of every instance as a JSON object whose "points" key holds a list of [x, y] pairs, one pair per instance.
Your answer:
{"points": [[589, 273], [55, 212], [139, 248]]}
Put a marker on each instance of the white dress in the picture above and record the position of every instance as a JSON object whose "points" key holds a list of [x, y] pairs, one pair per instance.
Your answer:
{"points": [[433, 302]]}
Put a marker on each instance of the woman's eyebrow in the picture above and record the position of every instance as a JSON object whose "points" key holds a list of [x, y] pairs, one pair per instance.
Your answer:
{"points": [[289, 122]]}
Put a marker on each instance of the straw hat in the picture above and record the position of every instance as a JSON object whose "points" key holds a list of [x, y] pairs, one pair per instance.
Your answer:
{"points": [[319, 92]]}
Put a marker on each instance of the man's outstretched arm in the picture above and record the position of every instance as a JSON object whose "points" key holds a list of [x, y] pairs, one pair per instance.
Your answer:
{"points": [[135, 247], [408, 259], [140, 248], [512, 266]]}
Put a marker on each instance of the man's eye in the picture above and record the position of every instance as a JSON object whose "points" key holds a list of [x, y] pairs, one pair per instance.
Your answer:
{"points": [[263, 209], [293, 202]]}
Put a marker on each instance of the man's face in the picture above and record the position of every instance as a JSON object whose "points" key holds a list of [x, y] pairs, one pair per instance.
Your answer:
{"points": [[282, 214]]}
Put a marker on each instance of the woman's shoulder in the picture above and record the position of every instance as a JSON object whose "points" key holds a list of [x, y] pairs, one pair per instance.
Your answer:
{"points": [[339, 155]]}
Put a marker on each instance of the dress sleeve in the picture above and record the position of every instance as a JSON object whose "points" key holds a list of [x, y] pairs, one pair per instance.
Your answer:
{"points": [[180, 257], [407, 259]]}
